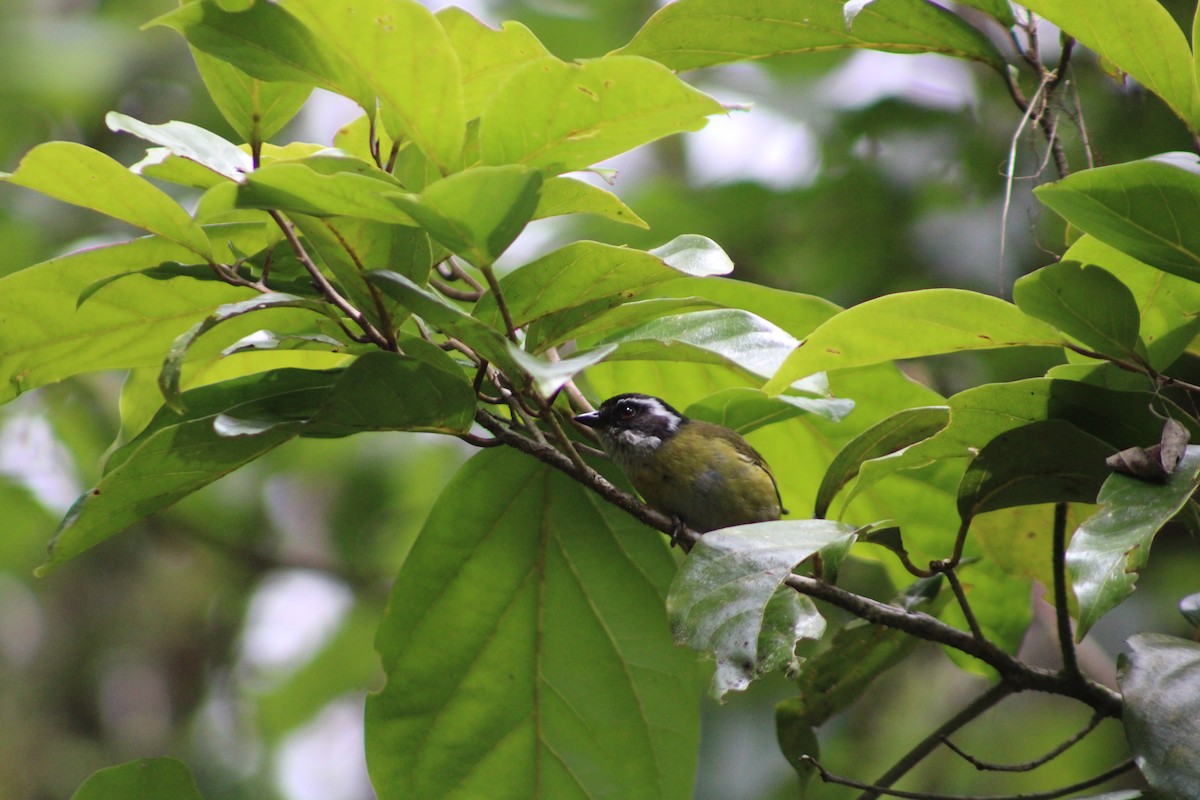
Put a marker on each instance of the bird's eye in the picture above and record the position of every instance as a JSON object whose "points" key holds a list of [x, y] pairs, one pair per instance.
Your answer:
{"points": [[626, 411]]}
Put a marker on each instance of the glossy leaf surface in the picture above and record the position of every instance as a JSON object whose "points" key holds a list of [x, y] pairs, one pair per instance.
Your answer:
{"points": [[1160, 681], [1110, 548], [728, 600], [1087, 303], [1139, 207]]}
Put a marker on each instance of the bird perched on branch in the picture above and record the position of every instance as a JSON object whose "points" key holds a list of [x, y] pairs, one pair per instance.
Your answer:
{"points": [[703, 475]]}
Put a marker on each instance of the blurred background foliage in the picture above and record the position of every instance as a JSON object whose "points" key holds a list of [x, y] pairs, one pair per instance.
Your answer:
{"points": [[234, 630]]}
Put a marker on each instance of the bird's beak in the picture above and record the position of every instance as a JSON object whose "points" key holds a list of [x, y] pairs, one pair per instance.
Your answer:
{"points": [[591, 419]]}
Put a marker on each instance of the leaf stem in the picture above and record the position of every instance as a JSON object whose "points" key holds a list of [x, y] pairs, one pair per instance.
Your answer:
{"points": [[326, 288], [1062, 613]]}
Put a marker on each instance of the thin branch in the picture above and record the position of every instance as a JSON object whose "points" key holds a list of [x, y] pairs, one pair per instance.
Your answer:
{"points": [[489, 275], [1163, 381], [1053, 794], [963, 604], [1062, 613], [929, 744], [984, 766], [1019, 675], [325, 287], [458, 273], [457, 294]]}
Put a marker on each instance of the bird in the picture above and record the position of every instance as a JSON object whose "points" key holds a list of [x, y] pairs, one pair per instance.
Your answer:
{"points": [[701, 474]]}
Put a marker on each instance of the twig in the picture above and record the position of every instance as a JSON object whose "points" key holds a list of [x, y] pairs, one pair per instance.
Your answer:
{"points": [[963, 604], [325, 287], [973, 710], [510, 329], [1028, 766], [1103, 777], [457, 294], [1062, 612]]}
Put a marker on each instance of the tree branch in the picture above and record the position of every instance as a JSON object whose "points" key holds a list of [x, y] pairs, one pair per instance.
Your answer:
{"points": [[1062, 613]]}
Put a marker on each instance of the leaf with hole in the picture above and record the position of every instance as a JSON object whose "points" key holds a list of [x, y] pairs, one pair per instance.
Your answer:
{"points": [[728, 598]]}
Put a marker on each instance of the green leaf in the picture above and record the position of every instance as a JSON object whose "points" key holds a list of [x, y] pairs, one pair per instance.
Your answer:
{"points": [[168, 379], [144, 779], [256, 109], [909, 325], [724, 336], [795, 312], [599, 318], [269, 43], [1044, 462], [1088, 303], [44, 340], [487, 57], [85, 177], [479, 212], [699, 33], [269, 340], [550, 376], [979, 415], [422, 390], [1166, 303], [1109, 549], [561, 196], [1160, 682], [359, 190], [404, 55], [695, 255], [574, 284], [744, 409], [484, 339], [1140, 38], [728, 598], [187, 141], [563, 117], [178, 454], [1140, 208], [895, 433], [565, 683], [1000, 9]]}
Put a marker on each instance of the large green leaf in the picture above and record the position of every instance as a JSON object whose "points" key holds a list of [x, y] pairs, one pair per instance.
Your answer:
{"points": [[231, 423], [912, 324], [1088, 303], [144, 779], [266, 42], [477, 213], [180, 453], [1110, 548], [1140, 208], [574, 283], [1043, 462], [1160, 682], [44, 338], [85, 177], [1140, 38], [487, 57], [744, 409], [256, 109], [562, 117], [728, 598], [1166, 303], [564, 683], [721, 336], [358, 190], [398, 48], [699, 33]]}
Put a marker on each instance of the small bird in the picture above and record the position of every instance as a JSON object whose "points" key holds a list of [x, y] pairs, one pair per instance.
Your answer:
{"points": [[701, 474]]}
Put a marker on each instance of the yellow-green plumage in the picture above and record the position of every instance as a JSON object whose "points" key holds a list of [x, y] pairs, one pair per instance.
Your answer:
{"points": [[705, 475]]}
